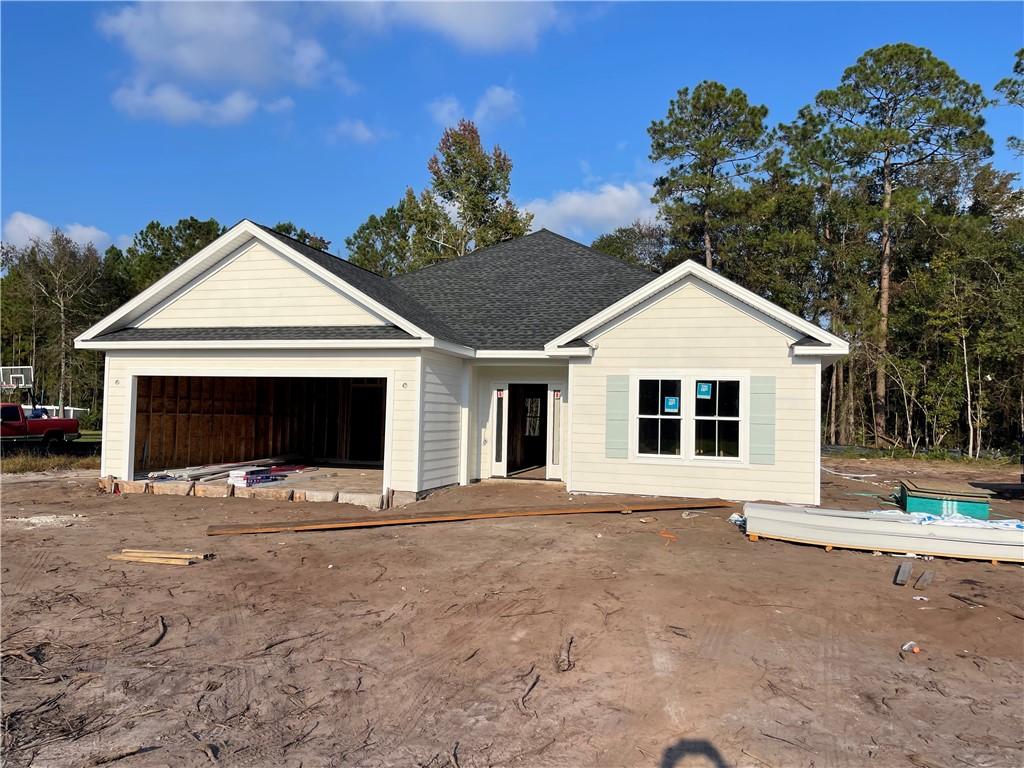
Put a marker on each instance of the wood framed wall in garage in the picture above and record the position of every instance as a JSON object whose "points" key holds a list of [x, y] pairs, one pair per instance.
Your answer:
{"points": [[192, 420]]}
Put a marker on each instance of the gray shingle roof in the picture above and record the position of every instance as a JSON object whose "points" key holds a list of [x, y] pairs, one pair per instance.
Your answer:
{"points": [[523, 293], [269, 333]]}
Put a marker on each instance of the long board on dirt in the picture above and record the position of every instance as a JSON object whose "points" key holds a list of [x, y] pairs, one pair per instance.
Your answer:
{"points": [[331, 524]]}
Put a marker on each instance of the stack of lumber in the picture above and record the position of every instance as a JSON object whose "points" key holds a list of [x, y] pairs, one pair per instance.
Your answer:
{"points": [[159, 556]]}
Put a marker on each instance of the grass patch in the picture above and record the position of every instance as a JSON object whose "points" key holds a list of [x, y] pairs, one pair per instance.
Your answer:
{"points": [[18, 463]]}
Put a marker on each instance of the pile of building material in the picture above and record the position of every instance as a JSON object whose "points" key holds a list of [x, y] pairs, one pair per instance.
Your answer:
{"points": [[246, 477], [949, 535], [211, 472]]}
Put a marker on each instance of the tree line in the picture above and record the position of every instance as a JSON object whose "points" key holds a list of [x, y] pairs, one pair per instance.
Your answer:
{"points": [[874, 212]]}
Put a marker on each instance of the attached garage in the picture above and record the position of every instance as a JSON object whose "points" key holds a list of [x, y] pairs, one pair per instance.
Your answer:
{"points": [[183, 421]]}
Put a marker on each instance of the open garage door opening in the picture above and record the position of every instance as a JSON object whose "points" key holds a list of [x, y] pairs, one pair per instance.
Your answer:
{"points": [[188, 421]]}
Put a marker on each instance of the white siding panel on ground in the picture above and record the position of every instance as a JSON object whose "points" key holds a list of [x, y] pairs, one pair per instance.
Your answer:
{"points": [[259, 288], [402, 370], [440, 421], [697, 328]]}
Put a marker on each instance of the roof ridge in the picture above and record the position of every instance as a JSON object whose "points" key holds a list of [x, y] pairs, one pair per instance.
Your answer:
{"points": [[593, 250]]}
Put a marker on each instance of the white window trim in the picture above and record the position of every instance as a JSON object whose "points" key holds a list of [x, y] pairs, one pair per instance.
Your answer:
{"points": [[688, 378], [667, 416]]}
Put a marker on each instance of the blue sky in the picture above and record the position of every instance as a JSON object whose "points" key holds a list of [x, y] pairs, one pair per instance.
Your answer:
{"points": [[117, 114]]}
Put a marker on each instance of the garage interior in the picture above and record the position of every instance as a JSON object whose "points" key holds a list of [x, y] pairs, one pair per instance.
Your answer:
{"points": [[188, 421]]}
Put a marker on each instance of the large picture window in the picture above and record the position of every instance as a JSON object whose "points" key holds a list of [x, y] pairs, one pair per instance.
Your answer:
{"points": [[716, 411], [659, 417]]}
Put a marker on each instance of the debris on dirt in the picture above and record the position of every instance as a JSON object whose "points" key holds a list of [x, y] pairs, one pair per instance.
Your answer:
{"points": [[106, 760], [968, 601], [521, 701], [920, 598], [678, 631], [161, 631], [911, 647], [924, 580], [668, 536], [44, 521], [903, 574], [565, 661]]}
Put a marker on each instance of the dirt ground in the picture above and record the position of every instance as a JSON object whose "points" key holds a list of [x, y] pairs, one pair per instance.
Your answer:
{"points": [[658, 639]]}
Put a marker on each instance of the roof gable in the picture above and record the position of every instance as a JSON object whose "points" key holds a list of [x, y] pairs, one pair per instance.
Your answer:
{"points": [[258, 287], [829, 343], [365, 290], [520, 294]]}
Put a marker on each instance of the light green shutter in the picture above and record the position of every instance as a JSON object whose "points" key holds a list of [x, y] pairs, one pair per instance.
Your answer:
{"points": [[762, 419], [616, 418]]}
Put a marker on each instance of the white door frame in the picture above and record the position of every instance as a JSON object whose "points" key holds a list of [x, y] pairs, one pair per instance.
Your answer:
{"points": [[553, 470]]}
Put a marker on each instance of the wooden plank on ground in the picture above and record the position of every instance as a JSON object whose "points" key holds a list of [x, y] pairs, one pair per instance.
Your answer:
{"points": [[179, 555], [450, 517], [158, 560]]}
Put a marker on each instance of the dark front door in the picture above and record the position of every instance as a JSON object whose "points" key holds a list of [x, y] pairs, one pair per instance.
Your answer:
{"points": [[527, 426]]}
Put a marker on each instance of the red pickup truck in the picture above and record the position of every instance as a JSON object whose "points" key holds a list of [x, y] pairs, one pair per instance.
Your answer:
{"points": [[49, 434]]}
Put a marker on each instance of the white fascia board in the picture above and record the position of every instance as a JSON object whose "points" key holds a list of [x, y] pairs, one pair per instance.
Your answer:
{"points": [[686, 269], [451, 348], [231, 240], [224, 344], [835, 350], [532, 354]]}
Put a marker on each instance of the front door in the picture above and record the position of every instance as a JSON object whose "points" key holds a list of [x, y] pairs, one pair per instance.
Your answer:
{"points": [[527, 430]]}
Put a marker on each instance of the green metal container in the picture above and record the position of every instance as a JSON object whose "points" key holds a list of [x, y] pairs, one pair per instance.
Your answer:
{"points": [[965, 500]]}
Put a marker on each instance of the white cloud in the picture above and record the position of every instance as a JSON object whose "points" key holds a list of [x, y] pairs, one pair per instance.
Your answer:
{"points": [[22, 228], [480, 26], [248, 43], [496, 104], [173, 104], [84, 233], [586, 212], [356, 131], [446, 111], [283, 104], [237, 47]]}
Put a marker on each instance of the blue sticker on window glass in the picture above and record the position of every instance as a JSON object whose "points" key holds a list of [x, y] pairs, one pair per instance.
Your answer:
{"points": [[671, 405], [703, 390]]}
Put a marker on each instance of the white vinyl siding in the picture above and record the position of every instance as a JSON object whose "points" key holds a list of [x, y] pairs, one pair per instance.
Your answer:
{"points": [[440, 420], [402, 371], [697, 329], [259, 288]]}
